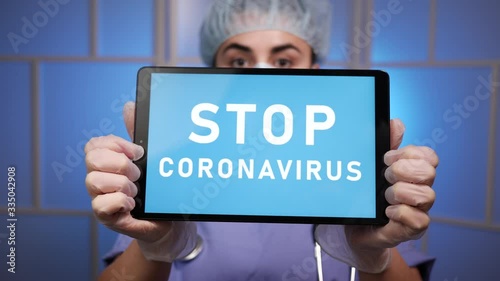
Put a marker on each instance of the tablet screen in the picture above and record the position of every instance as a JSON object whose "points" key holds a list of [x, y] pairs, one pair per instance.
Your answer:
{"points": [[256, 145]]}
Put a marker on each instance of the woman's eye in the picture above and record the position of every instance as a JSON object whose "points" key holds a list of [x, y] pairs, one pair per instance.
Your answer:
{"points": [[283, 63], [239, 62]]}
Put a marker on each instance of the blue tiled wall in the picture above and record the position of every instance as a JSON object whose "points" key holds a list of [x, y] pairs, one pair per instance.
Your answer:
{"points": [[446, 104], [16, 148], [467, 30], [464, 253], [400, 30], [126, 28], [341, 22], [81, 95], [53, 28], [49, 248], [84, 103], [187, 26], [425, 99]]}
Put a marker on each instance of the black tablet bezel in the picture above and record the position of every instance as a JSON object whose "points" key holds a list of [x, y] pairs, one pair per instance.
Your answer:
{"points": [[382, 130]]}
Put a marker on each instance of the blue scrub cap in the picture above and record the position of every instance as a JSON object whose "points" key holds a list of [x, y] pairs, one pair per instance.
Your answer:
{"points": [[309, 20]]}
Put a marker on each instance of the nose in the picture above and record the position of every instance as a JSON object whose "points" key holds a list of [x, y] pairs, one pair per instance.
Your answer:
{"points": [[263, 65]]}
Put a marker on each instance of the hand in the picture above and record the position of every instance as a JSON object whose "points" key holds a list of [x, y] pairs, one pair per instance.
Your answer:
{"points": [[110, 182], [411, 171]]}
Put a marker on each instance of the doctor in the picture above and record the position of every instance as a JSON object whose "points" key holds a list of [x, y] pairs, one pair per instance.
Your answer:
{"points": [[262, 33]]}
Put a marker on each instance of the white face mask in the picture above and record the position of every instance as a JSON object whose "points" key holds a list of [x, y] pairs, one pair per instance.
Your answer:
{"points": [[263, 65]]}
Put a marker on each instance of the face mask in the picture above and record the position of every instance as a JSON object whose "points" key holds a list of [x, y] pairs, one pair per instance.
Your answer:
{"points": [[263, 65]]}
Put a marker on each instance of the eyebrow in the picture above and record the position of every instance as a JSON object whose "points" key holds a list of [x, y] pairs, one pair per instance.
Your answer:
{"points": [[247, 49], [237, 47], [284, 47]]}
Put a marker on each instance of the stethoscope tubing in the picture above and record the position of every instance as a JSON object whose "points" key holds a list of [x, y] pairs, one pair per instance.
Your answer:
{"points": [[317, 255], [319, 264]]}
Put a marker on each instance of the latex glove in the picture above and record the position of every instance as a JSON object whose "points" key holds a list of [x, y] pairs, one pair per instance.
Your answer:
{"points": [[177, 243], [411, 171], [110, 183]]}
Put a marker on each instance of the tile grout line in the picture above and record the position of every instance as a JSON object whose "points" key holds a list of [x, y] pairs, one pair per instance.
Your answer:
{"points": [[353, 60], [76, 59], [84, 213], [168, 61], [477, 225], [465, 63], [159, 32], [469, 63], [66, 212], [49, 212], [94, 13], [35, 123], [367, 53], [94, 247], [173, 32], [359, 24], [432, 30], [490, 183]]}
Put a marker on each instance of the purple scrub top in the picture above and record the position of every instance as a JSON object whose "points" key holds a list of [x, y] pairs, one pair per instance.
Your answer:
{"points": [[261, 251]]}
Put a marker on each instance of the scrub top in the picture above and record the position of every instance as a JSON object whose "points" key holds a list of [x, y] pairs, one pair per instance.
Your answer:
{"points": [[263, 251]]}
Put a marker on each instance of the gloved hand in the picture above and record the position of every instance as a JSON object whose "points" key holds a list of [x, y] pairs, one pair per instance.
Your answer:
{"points": [[411, 171], [177, 243], [333, 239], [109, 181]]}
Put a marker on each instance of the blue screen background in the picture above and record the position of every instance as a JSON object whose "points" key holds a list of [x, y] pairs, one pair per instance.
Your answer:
{"points": [[351, 138]]}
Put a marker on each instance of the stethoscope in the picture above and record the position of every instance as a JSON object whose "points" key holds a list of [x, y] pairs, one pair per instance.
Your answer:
{"points": [[317, 255], [319, 264]]}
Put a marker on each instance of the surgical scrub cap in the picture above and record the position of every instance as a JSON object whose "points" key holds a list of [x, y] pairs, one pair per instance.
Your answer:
{"points": [[306, 19]]}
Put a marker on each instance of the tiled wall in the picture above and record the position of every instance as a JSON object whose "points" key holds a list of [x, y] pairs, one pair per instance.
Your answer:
{"points": [[68, 66], [444, 63]]}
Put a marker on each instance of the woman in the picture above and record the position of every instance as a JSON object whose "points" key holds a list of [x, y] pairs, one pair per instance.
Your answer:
{"points": [[262, 33]]}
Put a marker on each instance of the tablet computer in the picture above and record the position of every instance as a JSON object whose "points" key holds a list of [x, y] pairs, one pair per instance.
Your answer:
{"points": [[262, 145]]}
